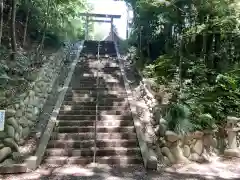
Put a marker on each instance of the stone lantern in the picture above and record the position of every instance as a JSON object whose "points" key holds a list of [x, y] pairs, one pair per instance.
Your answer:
{"points": [[232, 129]]}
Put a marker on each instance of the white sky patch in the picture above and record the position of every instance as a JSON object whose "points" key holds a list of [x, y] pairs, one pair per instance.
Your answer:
{"points": [[111, 7]]}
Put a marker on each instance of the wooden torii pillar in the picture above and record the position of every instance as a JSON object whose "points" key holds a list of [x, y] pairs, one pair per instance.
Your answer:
{"points": [[107, 16]]}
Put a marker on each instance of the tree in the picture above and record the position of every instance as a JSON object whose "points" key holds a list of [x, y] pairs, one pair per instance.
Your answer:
{"points": [[1, 20], [29, 7], [39, 49], [29, 21], [13, 33]]}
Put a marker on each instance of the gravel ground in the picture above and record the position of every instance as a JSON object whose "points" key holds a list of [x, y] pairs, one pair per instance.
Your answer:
{"points": [[213, 171], [72, 172]]}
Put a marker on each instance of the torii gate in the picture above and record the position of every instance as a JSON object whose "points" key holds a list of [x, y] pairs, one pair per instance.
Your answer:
{"points": [[111, 17]]}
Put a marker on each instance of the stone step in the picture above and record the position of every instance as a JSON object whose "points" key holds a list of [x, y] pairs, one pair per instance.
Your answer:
{"points": [[105, 92], [93, 112], [87, 77], [93, 117], [93, 67], [110, 160], [95, 93], [93, 97], [76, 129], [99, 89], [119, 160], [105, 151], [90, 143], [112, 70], [106, 68], [79, 85], [107, 98], [82, 123], [90, 135], [100, 83], [93, 108], [93, 104], [90, 104], [104, 99], [57, 161], [106, 64], [93, 74], [85, 67]]}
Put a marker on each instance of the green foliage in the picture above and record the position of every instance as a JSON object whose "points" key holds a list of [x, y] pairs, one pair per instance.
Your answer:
{"points": [[197, 48], [204, 121], [52, 40], [123, 46], [178, 118], [14, 78], [48, 24], [63, 21]]}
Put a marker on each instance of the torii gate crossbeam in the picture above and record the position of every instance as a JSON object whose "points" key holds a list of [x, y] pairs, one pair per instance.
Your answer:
{"points": [[87, 15]]}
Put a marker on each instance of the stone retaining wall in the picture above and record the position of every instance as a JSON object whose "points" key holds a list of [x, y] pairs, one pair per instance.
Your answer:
{"points": [[21, 117], [197, 146], [170, 147]]}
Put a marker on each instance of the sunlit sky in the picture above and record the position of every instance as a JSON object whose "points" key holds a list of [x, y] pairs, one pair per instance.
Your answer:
{"points": [[111, 7]]}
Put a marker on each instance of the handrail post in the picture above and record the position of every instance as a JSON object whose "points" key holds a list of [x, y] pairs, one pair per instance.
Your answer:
{"points": [[96, 119]]}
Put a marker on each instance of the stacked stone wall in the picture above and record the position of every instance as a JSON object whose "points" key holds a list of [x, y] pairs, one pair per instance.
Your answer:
{"points": [[22, 115]]}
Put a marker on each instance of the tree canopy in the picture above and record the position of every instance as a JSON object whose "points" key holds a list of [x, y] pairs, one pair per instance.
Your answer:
{"points": [[56, 17], [29, 32]]}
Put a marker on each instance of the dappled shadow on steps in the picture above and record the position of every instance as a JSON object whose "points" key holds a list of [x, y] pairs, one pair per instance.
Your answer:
{"points": [[72, 141]]}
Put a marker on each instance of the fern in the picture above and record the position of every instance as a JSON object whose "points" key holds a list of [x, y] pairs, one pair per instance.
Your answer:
{"points": [[178, 119]]}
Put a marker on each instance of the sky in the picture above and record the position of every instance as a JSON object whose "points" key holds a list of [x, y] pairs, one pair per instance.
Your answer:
{"points": [[110, 7]]}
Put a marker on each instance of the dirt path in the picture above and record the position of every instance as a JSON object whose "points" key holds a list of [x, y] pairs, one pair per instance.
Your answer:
{"points": [[77, 172], [216, 170]]}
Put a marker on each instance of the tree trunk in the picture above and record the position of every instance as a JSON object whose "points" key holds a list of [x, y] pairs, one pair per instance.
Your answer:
{"points": [[10, 25], [25, 27], [209, 48], [204, 46], [198, 45], [13, 33], [148, 49], [1, 20], [217, 46], [40, 47], [180, 66]]}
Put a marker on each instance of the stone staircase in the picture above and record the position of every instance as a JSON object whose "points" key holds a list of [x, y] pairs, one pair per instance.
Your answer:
{"points": [[95, 124]]}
